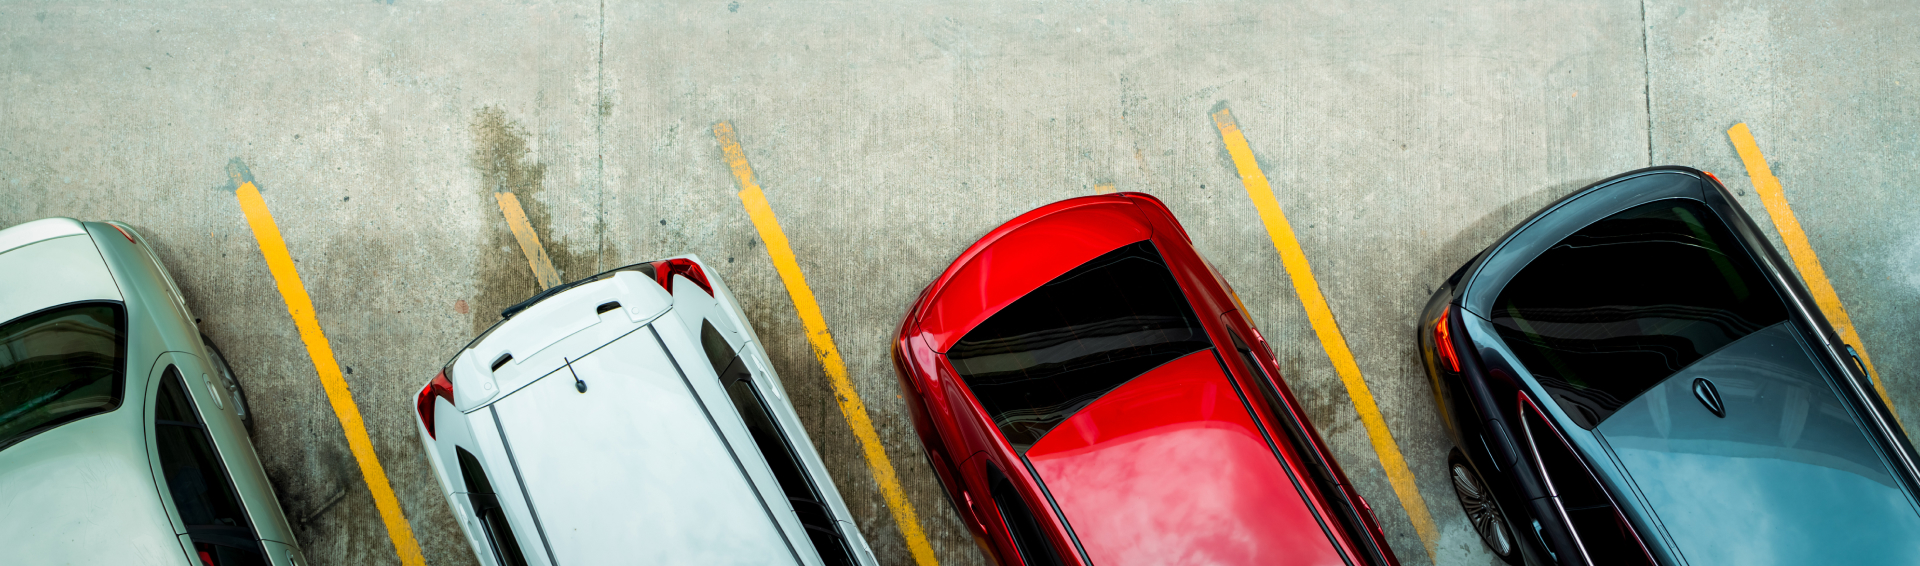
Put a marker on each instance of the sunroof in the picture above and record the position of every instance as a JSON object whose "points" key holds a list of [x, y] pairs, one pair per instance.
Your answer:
{"points": [[1053, 351]]}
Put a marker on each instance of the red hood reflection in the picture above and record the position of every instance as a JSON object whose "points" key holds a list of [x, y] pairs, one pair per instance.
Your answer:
{"points": [[1169, 469]]}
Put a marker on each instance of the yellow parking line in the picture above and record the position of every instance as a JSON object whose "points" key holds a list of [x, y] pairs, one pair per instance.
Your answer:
{"points": [[529, 241], [1106, 189], [1804, 260], [1295, 261], [851, 407], [300, 307]]}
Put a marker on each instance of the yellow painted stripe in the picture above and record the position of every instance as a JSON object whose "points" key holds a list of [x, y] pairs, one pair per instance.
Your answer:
{"points": [[1295, 261], [851, 407], [1768, 187], [1103, 189], [529, 241], [300, 307]]}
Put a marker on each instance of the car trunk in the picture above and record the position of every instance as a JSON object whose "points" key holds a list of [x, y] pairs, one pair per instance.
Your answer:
{"points": [[632, 469]]}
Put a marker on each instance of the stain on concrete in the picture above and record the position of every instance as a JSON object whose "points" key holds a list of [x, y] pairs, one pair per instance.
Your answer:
{"points": [[313, 496], [507, 164], [238, 174]]}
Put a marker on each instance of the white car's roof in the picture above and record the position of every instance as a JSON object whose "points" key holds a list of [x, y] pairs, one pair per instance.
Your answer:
{"points": [[51, 262], [83, 493], [634, 466]]}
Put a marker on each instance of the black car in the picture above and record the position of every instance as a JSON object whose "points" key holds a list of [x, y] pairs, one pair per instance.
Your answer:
{"points": [[1634, 376]]}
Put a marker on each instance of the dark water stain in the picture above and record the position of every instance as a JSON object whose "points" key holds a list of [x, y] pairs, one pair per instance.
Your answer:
{"points": [[506, 164], [238, 174]]}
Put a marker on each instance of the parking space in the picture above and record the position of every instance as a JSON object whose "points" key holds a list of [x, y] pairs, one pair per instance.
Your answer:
{"points": [[1398, 141]]}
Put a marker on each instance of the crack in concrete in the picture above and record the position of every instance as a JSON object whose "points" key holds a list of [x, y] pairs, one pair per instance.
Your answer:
{"points": [[1646, 66], [603, 108]]}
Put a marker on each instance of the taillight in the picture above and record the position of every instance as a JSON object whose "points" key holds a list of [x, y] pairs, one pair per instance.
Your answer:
{"points": [[439, 387], [1716, 178], [123, 232], [1443, 338], [206, 557], [664, 270]]}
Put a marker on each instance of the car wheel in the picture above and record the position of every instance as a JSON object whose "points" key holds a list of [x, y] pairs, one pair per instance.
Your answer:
{"points": [[1481, 509], [234, 392]]}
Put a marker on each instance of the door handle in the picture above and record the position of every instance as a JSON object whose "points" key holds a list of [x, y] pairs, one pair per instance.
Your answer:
{"points": [[213, 391]]}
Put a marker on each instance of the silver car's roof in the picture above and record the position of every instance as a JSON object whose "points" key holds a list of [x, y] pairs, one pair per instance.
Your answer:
{"points": [[51, 262], [83, 493]]}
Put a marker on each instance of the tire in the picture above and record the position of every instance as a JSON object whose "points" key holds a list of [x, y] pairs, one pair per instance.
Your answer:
{"points": [[239, 396], [1482, 510]]}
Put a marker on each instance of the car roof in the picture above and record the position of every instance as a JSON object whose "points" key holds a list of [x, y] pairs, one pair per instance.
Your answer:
{"points": [[66, 265], [1021, 255], [84, 493], [1171, 468], [1784, 474], [635, 464]]}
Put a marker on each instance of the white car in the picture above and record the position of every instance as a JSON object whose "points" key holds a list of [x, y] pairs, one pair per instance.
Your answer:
{"points": [[630, 417], [123, 434]]}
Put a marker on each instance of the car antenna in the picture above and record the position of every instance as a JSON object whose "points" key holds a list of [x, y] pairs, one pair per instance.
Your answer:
{"points": [[577, 382]]}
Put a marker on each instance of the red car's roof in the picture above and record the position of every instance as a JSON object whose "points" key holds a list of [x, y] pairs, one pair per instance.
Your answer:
{"points": [[1170, 469], [1022, 255]]}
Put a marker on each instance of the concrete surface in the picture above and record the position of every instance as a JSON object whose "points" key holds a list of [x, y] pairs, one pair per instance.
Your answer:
{"points": [[1400, 138]]}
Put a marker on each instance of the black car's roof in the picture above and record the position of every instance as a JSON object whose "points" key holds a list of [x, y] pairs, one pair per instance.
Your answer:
{"points": [[1784, 475]]}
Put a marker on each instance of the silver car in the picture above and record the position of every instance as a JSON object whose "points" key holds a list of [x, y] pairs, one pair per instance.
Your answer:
{"points": [[123, 433], [630, 417]]}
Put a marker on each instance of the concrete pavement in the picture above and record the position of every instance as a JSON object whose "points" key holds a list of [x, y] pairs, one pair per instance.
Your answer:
{"points": [[1400, 139]]}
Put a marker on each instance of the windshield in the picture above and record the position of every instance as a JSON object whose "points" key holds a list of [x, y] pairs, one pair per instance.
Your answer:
{"points": [[57, 366], [1047, 355], [1627, 301]]}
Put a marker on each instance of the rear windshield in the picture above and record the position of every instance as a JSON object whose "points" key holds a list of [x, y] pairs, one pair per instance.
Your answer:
{"points": [[1055, 350], [57, 366], [1620, 305]]}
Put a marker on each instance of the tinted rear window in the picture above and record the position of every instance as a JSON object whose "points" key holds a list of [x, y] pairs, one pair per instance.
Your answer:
{"points": [[1620, 305], [57, 366], [1055, 350]]}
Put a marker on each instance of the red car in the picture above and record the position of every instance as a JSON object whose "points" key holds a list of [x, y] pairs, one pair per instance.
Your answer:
{"points": [[1089, 392]]}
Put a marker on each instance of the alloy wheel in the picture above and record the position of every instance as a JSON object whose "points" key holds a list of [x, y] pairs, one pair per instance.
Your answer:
{"points": [[1477, 501]]}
